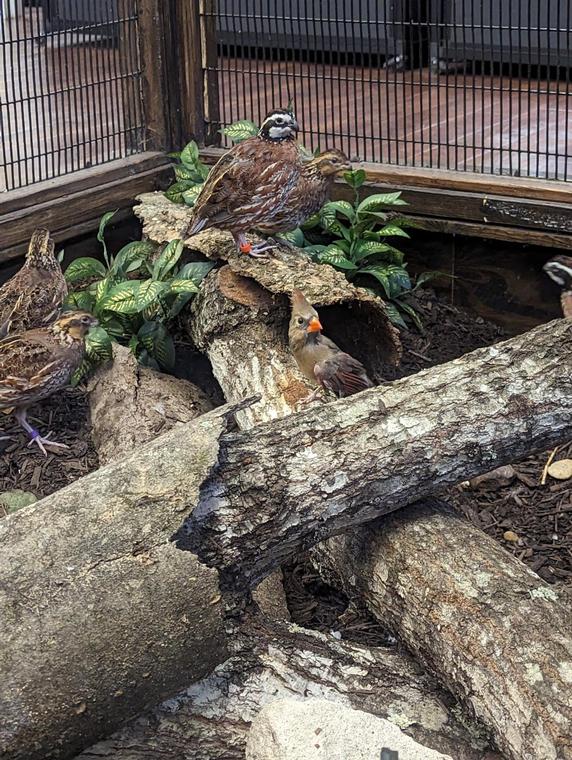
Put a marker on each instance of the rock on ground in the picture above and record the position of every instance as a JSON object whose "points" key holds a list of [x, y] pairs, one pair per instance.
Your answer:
{"points": [[316, 729]]}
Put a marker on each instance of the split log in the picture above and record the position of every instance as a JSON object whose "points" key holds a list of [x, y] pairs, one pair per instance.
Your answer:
{"points": [[210, 720], [92, 629], [356, 317], [289, 484], [130, 404], [495, 633]]}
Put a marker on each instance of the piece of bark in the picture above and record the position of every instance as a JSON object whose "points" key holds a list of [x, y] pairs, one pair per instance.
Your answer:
{"points": [[93, 628], [496, 634], [130, 404], [357, 317], [211, 719], [289, 484]]}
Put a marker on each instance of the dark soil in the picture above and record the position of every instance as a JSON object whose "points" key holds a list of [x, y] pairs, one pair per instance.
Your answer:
{"points": [[27, 469]]}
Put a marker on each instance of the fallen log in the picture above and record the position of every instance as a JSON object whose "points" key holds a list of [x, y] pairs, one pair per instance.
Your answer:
{"points": [[289, 484], [92, 629], [495, 633], [211, 719], [130, 404]]}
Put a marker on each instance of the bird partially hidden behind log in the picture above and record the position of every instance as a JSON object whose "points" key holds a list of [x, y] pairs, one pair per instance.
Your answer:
{"points": [[34, 295], [559, 269], [318, 357], [265, 183], [37, 363]]}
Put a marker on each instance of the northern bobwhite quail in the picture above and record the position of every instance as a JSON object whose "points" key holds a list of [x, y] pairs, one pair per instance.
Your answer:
{"points": [[309, 193], [37, 363], [34, 295], [318, 357], [559, 269], [250, 183]]}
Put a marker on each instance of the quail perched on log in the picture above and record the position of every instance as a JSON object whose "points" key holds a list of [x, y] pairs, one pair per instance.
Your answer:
{"points": [[34, 295], [318, 357], [250, 183], [309, 193], [559, 269], [37, 363]]}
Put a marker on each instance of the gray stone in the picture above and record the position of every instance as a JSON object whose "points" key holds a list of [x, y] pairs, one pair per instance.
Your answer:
{"points": [[315, 729]]}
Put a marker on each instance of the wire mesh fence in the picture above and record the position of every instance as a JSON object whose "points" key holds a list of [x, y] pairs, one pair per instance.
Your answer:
{"points": [[69, 87], [467, 85]]}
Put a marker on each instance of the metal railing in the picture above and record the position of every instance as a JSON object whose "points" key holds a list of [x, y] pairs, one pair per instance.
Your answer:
{"points": [[466, 85], [70, 92]]}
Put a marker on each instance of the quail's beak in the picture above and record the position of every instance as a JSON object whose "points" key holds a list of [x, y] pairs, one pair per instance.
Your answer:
{"points": [[314, 325], [296, 126]]}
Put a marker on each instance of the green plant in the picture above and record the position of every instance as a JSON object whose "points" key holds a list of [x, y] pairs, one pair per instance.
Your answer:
{"points": [[190, 173], [359, 233], [134, 298]]}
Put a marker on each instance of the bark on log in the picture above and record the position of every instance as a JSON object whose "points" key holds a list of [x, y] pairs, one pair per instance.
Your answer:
{"points": [[296, 481], [495, 633], [210, 721], [130, 405], [92, 629], [358, 319]]}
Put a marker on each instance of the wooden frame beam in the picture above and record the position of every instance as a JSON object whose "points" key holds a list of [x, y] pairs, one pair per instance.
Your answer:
{"points": [[73, 204]]}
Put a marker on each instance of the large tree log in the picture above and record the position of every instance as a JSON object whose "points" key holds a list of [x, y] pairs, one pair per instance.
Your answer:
{"points": [[294, 482], [92, 629], [130, 405], [210, 721], [495, 633]]}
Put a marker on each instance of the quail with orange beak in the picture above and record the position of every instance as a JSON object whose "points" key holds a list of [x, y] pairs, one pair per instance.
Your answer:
{"points": [[318, 357], [559, 269]]}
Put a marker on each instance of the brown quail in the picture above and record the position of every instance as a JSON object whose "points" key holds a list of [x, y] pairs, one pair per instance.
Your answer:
{"points": [[559, 269]]}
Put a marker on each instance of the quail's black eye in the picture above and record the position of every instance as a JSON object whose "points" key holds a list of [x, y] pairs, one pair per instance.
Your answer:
{"points": [[280, 120], [300, 320], [86, 320]]}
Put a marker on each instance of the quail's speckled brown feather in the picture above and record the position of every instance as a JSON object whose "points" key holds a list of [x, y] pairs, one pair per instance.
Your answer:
{"points": [[252, 181], [318, 357], [37, 363], [34, 295], [309, 194], [559, 269]]}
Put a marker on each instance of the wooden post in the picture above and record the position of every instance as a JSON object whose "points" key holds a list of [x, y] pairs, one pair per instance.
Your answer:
{"points": [[210, 68], [154, 18]]}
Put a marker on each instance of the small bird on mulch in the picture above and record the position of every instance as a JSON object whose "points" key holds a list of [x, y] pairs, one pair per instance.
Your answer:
{"points": [[250, 183], [34, 295], [37, 363], [309, 193], [559, 269], [318, 357]]}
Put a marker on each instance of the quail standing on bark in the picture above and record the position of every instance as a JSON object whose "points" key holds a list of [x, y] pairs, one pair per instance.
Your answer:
{"points": [[559, 269]]}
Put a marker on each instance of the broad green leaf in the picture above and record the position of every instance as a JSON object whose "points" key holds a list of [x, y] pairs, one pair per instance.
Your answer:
{"points": [[138, 250], [101, 289], [158, 343], [341, 207], [133, 344], [80, 299], [377, 201], [313, 250], [82, 371], [122, 298], [182, 286], [148, 292], [392, 230], [175, 192], [204, 171], [145, 359], [196, 271], [114, 327], [188, 176], [296, 237], [312, 222], [175, 154], [412, 314], [84, 268], [355, 179], [365, 248], [394, 315], [240, 130], [168, 258], [336, 257], [380, 275], [398, 278], [190, 155], [179, 304], [190, 196], [424, 277], [98, 345]]}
